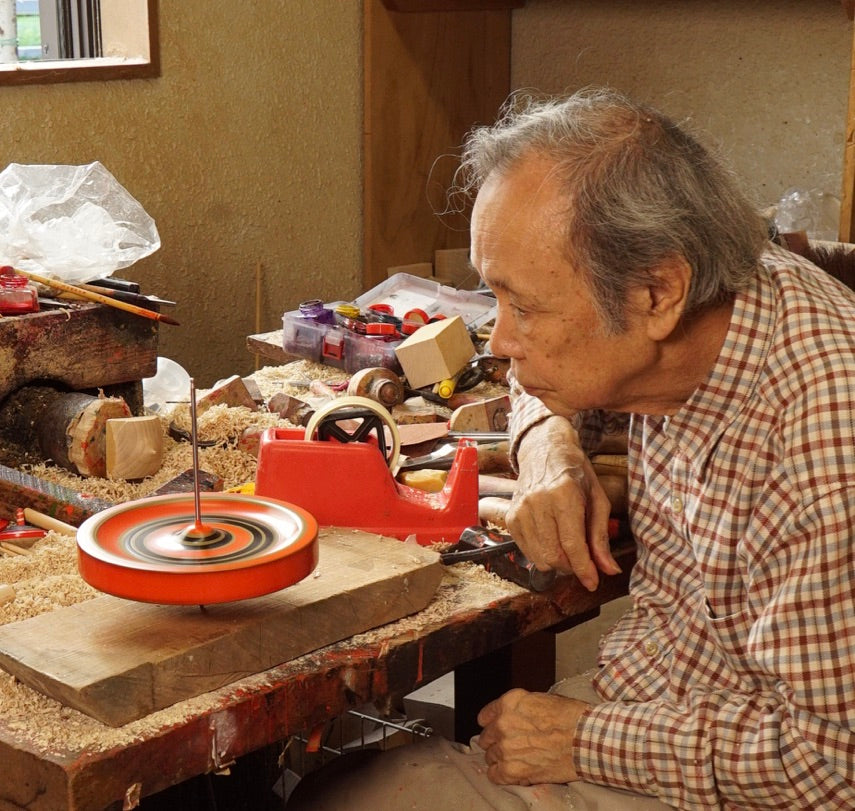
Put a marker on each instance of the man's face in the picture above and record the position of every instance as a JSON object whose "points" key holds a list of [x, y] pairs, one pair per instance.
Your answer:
{"points": [[547, 324]]}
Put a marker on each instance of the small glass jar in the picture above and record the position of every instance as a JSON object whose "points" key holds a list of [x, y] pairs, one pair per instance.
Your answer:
{"points": [[17, 295], [314, 310]]}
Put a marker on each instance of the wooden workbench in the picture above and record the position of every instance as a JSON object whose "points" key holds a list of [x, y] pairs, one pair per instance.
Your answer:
{"points": [[469, 621]]}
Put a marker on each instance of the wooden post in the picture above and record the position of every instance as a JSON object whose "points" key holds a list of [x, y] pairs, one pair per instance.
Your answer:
{"points": [[847, 206]]}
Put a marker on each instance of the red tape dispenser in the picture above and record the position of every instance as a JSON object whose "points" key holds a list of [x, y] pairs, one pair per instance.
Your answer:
{"points": [[342, 467]]}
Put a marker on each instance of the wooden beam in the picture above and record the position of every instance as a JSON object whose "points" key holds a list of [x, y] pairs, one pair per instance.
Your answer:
{"points": [[429, 77], [847, 205]]}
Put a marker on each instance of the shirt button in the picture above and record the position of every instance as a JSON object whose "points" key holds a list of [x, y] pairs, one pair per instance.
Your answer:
{"points": [[651, 648], [677, 504]]}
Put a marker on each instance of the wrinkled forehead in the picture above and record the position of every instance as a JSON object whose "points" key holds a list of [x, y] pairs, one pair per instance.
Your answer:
{"points": [[520, 208]]}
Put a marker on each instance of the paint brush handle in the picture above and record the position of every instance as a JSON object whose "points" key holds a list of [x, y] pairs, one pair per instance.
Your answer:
{"points": [[89, 295]]}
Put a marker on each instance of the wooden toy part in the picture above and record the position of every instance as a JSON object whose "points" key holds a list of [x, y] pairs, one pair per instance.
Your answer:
{"points": [[134, 447], [379, 384]]}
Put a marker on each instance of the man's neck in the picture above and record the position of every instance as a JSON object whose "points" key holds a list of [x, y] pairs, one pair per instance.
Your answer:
{"points": [[685, 361]]}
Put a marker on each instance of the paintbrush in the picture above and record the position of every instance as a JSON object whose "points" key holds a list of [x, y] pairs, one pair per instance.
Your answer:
{"points": [[89, 295]]}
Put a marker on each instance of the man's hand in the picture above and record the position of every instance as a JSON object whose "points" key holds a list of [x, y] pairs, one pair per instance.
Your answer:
{"points": [[528, 738], [559, 514]]}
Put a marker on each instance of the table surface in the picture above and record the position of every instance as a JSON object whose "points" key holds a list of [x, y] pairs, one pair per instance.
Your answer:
{"points": [[472, 616]]}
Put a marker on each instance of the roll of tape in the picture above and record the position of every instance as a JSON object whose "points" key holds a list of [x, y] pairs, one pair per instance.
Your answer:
{"points": [[341, 403]]}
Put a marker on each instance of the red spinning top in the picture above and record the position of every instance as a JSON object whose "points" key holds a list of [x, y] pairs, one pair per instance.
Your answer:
{"points": [[148, 550], [165, 550]]}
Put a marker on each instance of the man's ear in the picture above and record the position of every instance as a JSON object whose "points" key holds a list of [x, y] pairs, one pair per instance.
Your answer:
{"points": [[665, 297]]}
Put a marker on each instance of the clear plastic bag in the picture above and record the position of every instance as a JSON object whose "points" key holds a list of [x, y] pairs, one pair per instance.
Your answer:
{"points": [[73, 223], [810, 210]]}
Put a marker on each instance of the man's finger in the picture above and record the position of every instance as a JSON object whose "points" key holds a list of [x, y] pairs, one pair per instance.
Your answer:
{"points": [[598, 533]]}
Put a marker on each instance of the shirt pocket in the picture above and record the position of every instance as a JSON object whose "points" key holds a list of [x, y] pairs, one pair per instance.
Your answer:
{"points": [[727, 642]]}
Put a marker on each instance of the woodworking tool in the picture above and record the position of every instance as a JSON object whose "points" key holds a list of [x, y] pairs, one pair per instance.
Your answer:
{"points": [[99, 298], [442, 458], [499, 553]]}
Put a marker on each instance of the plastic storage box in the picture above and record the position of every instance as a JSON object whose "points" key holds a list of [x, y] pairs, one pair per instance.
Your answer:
{"points": [[335, 345]]}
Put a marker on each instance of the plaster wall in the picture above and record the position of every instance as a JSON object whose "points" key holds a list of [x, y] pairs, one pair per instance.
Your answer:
{"points": [[247, 149], [764, 82], [247, 153]]}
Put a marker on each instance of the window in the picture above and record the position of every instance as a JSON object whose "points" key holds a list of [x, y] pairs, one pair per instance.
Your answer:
{"points": [[77, 40]]}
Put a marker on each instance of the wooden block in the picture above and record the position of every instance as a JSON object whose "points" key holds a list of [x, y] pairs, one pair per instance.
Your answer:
{"points": [[417, 433], [435, 352], [254, 391], [69, 346], [74, 431], [117, 660], [290, 408], [453, 264], [423, 270], [134, 447], [431, 481], [488, 415], [231, 392], [415, 410]]}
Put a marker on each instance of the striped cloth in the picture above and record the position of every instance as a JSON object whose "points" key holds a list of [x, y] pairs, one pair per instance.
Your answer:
{"points": [[731, 682]]}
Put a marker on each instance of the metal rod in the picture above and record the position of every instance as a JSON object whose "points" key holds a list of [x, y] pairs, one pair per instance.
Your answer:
{"points": [[197, 509]]}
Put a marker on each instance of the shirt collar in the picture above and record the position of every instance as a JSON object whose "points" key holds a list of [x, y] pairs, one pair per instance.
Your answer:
{"points": [[696, 427]]}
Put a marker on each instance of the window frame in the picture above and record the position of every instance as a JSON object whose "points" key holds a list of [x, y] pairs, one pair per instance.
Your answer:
{"points": [[98, 69]]}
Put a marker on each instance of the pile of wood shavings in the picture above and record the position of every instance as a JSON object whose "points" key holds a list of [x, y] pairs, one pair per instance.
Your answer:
{"points": [[44, 580], [235, 467]]}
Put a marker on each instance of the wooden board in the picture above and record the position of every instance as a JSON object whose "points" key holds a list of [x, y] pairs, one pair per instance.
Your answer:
{"points": [[71, 346], [118, 661]]}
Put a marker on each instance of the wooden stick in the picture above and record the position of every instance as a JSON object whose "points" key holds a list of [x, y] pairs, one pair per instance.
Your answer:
{"points": [[14, 548], [257, 306], [88, 295], [48, 522]]}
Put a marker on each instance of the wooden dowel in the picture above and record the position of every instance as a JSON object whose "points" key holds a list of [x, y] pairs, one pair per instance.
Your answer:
{"points": [[48, 522], [14, 549]]}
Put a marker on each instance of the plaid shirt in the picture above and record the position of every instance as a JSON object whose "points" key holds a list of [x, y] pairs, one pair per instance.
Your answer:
{"points": [[731, 681]]}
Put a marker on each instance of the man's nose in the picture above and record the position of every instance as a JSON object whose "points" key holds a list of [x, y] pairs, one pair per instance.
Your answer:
{"points": [[503, 343]]}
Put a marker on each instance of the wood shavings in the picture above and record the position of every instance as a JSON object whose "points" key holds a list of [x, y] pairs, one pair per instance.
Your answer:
{"points": [[225, 424], [294, 378]]}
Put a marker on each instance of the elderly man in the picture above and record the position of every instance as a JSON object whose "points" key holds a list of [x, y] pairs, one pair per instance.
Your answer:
{"points": [[632, 277]]}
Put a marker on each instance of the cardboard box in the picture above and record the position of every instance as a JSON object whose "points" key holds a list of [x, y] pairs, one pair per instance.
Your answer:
{"points": [[435, 352]]}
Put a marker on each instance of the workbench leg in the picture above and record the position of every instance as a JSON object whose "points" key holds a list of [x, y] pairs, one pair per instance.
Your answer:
{"points": [[528, 663]]}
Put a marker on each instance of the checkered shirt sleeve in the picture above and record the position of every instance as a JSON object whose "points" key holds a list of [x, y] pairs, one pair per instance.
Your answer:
{"points": [[731, 682]]}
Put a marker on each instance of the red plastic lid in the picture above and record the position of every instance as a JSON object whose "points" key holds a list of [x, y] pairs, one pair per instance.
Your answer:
{"points": [[382, 307], [380, 328], [417, 315]]}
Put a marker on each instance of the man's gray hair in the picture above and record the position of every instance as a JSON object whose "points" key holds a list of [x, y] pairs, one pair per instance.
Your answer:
{"points": [[640, 190]]}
